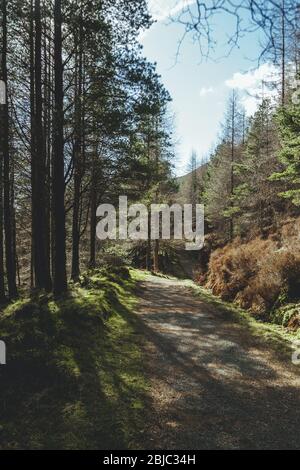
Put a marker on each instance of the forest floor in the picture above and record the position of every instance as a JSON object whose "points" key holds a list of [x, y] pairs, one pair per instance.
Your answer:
{"points": [[143, 362], [219, 380], [74, 377]]}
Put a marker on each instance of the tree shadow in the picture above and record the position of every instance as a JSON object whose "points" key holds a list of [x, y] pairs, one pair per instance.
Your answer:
{"points": [[73, 381], [217, 388]]}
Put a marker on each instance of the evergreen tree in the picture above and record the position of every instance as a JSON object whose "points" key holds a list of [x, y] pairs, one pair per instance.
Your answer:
{"points": [[255, 197], [288, 119]]}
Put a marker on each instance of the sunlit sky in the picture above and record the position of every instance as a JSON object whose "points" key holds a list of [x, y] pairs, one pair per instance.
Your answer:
{"points": [[200, 89]]}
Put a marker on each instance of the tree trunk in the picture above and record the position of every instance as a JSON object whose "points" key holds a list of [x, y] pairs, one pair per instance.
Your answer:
{"points": [[93, 218], [156, 242], [77, 161], [233, 131], [149, 247], [2, 286], [8, 222], [156, 256], [47, 135], [32, 135], [58, 180], [283, 53], [39, 203]]}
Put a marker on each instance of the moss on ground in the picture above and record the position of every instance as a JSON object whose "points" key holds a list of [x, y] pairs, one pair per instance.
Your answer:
{"points": [[74, 375]]}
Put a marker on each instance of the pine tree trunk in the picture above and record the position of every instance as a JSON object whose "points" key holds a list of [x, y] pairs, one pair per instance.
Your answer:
{"points": [[93, 218], [32, 134], [78, 149], [8, 222], [233, 131], [156, 257], [58, 180], [47, 136], [39, 205], [149, 247], [283, 53], [2, 286], [156, 242]]}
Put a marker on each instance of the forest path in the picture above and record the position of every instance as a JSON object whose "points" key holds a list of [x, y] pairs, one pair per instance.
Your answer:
{"points": [[214, 385]]}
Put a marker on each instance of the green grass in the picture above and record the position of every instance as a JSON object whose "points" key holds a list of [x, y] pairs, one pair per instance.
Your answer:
{"points": [[141, 275], [74, 375]]}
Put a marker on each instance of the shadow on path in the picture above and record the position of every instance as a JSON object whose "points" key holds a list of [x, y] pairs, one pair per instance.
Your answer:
{"points": [[214, 385]]}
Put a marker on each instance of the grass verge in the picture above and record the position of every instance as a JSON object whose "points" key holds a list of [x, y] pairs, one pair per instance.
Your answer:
{"points": [[74, 375]]}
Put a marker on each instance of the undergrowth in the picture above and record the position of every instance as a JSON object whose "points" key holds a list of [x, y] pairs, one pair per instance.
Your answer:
{"points": [[261, 275], [74, 374]]}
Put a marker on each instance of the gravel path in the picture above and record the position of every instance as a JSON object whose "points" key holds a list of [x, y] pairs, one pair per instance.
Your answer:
{"points": [[214, 385]]}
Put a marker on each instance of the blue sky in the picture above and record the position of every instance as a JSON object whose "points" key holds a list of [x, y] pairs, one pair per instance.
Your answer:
{"points": [[200, 90]]}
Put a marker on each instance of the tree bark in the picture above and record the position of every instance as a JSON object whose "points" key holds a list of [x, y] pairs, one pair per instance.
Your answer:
{"points": [[156, 256], [78, 149], [233, 131], [2, 286], [47, 134], [93, 218], [58, 180], [283, 53], [149, 247], [39, 203], [8, 222]]}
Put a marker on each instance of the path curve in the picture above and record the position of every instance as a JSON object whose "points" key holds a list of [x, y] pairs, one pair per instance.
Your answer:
{"points": [[213, 384]]}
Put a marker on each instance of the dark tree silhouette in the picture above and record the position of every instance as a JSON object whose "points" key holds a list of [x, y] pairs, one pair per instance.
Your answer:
{"points": [[58, 179]]}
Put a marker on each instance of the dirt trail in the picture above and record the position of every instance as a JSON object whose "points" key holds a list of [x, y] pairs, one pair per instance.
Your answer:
{"points": [[214, 385]]}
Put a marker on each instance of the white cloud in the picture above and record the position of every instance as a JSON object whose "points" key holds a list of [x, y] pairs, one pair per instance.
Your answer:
{"points": [[253, 79], [250, 104], [253, 84], [163, 9], [206, 91]]}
